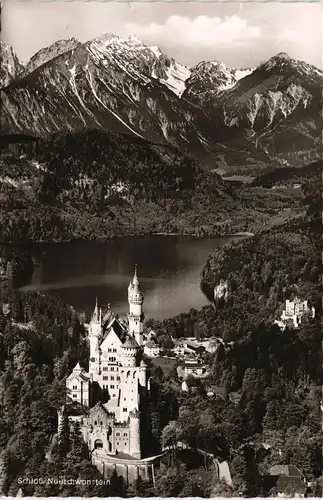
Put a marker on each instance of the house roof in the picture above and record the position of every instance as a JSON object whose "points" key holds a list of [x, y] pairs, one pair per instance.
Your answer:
{"points": [[290, 484], [285, 470], [217, 389], [193, 365], [152, 343]]}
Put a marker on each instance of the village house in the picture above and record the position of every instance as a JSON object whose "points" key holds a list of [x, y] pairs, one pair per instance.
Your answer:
{"points": [[288, 480], [151, 349]]}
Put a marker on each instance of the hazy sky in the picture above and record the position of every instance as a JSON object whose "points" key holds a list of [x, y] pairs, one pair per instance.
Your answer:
{"points": [[239, 34]]}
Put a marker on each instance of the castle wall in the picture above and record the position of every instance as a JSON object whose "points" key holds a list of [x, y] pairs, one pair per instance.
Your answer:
{"points": [[129, 471]]}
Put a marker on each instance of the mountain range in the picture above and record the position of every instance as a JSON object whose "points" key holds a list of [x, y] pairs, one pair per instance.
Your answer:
{"points": [[235, 120]]}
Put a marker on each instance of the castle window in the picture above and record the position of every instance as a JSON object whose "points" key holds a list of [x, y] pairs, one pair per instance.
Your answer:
{"points": [[114, 350], [105, 377], [109, 350], [125, 434], [124, 409], [112, 378], [74, 387], [113, 395], [105, 368], [112, 359], [92, 359], [95, 423], [117, 433], [118, 378], [111, 386], [112, 368], [125, 399], [74, 395]]}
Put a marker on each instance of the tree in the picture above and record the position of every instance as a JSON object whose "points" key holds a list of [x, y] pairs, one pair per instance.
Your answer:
{"points": [[64, 442], [169, 438]]}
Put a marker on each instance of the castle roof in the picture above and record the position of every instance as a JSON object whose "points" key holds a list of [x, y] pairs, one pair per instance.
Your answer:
{"points": [[79, 373], [116, 325], [135, 280], [134, 285], [142, 363], [130, 342], [96, 312]]}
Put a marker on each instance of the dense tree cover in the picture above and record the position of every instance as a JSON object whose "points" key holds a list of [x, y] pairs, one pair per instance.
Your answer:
{"points": [[18, 265], [276, 265], [95, 184], [285, 175], [40, 341]]}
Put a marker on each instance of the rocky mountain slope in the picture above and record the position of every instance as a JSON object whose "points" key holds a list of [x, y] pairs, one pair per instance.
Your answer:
{"points": [[10, 66], [239, 121], [208, 80], [107, 83], [48, 53], [277, 109]]}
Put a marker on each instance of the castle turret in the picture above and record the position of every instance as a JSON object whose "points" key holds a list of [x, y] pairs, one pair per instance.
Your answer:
{"points": [[136, 316], [129, 352], [134, 448], [95, 328], [143, 374]]}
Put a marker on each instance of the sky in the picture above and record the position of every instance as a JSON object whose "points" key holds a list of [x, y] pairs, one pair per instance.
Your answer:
{"points": [[239, 34]]}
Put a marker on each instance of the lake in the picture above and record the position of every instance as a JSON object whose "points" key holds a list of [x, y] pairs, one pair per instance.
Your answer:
{"points": [[169, 270]]}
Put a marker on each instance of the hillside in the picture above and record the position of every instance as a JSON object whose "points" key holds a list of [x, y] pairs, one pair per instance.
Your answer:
{"points": [[95, 185], [263, 271]]}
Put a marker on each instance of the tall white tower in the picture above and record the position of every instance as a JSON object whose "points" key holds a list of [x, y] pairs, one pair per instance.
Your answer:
{"points": [[95, 327], [136, 315]]}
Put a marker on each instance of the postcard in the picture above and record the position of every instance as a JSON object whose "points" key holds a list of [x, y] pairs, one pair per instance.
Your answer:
{"points": [[160, 249]]}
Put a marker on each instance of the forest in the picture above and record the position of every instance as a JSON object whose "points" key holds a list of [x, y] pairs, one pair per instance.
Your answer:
{"points": [[94, 185]]}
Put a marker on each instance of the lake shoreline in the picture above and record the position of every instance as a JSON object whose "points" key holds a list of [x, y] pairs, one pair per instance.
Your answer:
{"points": [[169, 270], [103, 239]]}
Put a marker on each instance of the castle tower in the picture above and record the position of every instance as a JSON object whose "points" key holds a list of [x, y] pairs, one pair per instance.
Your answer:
{"points": [[136, 315], [129, 352], [134, 448], [95, 328]]}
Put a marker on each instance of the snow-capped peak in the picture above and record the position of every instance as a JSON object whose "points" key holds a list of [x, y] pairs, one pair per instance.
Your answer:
{"points": [[132, 53]]}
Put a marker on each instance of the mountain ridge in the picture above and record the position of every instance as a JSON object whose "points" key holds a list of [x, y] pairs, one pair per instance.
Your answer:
{"points": [[212, 110]]}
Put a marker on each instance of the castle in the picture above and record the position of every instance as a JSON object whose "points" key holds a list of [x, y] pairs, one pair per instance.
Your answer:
{"points": [[295, 312], [117, 373]]}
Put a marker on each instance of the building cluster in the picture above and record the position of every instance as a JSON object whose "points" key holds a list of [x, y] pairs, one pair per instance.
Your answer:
{"points": [[295, 312]]}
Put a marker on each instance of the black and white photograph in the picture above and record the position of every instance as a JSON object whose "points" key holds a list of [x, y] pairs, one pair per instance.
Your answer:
{"points": [[160, 249]]}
